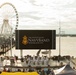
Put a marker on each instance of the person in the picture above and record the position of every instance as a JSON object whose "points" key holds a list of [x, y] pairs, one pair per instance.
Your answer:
{"points": [[9, 70], [52, 72], [48, 71], [42, 72], [30, 69], [0, 72], [4, 70], [6, 61], [19, 70]]}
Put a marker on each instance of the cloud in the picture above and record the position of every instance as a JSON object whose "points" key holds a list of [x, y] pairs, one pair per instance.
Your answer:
{"points": [[45, 14]]}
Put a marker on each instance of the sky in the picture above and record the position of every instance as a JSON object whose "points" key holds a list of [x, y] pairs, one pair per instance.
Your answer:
{"points": [[42, 14]]}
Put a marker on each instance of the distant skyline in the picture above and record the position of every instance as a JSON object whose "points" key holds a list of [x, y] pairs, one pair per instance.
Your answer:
{"points": [[46, 14]]}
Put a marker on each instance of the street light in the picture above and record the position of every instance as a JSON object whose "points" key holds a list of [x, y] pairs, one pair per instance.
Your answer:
{"points": [[11, 43]]}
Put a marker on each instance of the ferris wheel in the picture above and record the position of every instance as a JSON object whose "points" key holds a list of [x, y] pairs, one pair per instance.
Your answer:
{"points": [[8, 19]]}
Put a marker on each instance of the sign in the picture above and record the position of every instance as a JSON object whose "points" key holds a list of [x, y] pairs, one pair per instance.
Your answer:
{"points": [[35, 39]]}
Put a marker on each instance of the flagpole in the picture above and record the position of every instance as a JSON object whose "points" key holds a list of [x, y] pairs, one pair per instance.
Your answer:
{"points": [[59, 38], [59, 42]]}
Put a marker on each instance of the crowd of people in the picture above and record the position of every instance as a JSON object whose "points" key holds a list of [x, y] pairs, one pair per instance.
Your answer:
{"points": [[26, 61], [41, 71], [33, 63]]}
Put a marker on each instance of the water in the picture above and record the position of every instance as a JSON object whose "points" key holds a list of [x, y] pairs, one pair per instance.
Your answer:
{"points": [[68, 47]]}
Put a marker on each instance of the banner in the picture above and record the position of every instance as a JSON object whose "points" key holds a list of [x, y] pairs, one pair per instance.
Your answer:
{"points": [[19, 73], [35, 39]]}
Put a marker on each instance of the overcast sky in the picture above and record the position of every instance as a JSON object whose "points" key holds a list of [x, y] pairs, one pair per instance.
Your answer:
{"points": [[45, 14]]}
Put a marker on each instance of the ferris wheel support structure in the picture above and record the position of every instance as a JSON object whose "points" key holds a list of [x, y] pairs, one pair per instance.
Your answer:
{"points": [[5, 22]]}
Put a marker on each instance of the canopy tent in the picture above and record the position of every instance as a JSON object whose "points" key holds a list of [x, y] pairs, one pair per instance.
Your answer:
{"points": [[59, 70], [67, 71]]}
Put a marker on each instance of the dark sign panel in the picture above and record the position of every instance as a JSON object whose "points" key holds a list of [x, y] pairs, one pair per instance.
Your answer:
{"points": [[35, 39]]}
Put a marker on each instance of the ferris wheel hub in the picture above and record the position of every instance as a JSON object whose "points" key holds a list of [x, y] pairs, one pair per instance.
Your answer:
{"points": [[5, 20]]}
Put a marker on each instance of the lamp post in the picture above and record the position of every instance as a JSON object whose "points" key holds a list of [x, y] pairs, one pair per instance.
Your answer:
{"points": [[3, 46], [11, 43]]}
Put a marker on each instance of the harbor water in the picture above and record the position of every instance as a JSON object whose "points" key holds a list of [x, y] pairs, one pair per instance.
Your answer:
{"points": [[67, 47]]}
